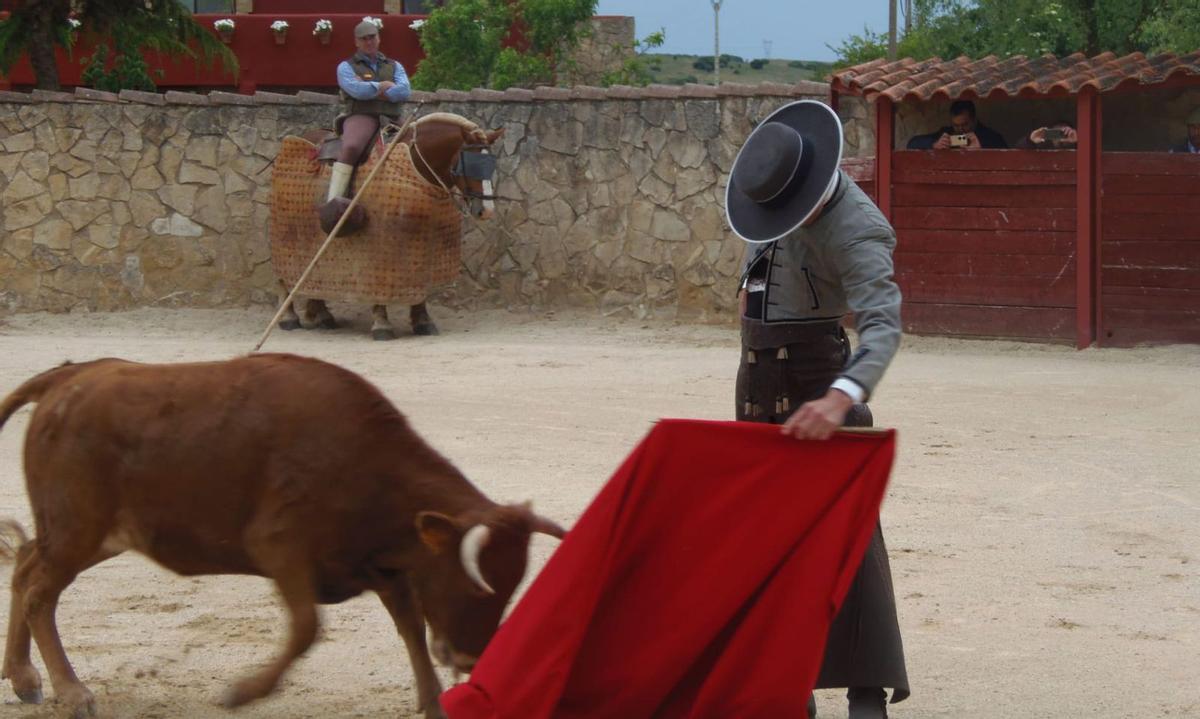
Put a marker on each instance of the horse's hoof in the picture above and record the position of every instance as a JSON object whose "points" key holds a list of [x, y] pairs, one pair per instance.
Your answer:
{"points": [[30, 696], [383, 335], [328, 323], [425, 329], [289, 325]]}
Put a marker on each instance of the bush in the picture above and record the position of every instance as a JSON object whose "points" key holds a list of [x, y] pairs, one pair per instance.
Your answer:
{"points": [[703, 64], [759, 64], [463, 42], [796, 63]]}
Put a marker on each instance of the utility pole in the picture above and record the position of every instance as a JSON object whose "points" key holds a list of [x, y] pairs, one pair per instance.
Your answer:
{"points": [[716, 40], [767, 48], [908, 16], [891, 30]]}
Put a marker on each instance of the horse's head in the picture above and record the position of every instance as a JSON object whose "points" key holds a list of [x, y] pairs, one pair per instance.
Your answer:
{"points": [[453, 151], [474, 170]]}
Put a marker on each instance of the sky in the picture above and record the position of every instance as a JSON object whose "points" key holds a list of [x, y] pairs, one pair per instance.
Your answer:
{"points": [[795, 29]]}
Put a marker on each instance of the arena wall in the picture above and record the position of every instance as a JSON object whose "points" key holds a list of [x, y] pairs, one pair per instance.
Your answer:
{"points": [[612, 198]]}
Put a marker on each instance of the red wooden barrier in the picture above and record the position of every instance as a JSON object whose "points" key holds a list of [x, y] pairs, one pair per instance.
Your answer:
{"points": [[1150, 248], [301, 62], [986, 242]]}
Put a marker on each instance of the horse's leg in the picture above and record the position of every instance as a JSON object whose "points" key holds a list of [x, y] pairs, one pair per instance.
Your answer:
{"points": [[289, 320], [317, 312], [422, 323], [381, 326]]}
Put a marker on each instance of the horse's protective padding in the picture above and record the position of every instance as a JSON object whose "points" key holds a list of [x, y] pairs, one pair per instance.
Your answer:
{"points": [[412, 242]]}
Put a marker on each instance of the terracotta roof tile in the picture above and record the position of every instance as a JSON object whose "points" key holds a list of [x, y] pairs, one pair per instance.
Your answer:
{"points": [[931, 79]]}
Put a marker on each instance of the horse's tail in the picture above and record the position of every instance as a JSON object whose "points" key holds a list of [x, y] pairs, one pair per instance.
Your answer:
{"points": [[33, 388]]}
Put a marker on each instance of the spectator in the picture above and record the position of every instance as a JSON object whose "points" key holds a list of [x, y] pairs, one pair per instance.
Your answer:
{"points": [[964, 132], [1192, 144], [1059, 136]]}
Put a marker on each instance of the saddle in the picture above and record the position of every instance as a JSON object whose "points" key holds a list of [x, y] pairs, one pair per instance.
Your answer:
{"points": [[329, 142]]}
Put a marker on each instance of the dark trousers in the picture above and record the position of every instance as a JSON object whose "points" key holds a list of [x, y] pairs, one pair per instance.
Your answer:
{"points": [[864, 648], [357, 133]]}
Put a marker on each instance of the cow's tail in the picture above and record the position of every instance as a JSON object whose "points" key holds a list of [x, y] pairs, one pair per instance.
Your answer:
{"points": [[12, 538], [36, 386]]}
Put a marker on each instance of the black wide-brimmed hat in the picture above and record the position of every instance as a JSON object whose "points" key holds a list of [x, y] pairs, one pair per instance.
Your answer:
{"points": [[784, 172]]}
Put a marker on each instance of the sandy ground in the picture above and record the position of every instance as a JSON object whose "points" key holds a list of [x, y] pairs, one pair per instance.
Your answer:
{"points": [[1043, 515]]}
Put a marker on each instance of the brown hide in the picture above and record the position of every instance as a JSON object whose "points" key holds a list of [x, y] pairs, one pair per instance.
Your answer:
{"points": [[272, 465]]}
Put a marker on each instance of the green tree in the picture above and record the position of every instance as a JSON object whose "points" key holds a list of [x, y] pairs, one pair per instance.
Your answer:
{"points": [[1174, 27], [977, 28], [164, 26], [464, 42], [635, 70]]}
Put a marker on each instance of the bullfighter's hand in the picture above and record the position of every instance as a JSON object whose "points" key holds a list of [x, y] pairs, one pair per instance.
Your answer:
{"points": [[973, 142], [819, 418], [943, 142]]}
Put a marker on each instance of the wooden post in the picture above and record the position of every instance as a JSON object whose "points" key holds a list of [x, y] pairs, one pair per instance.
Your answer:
{"points": [[1087, 177], [884, 120]]}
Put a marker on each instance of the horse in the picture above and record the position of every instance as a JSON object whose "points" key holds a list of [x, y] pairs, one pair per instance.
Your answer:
{"points": [[448, 154]]}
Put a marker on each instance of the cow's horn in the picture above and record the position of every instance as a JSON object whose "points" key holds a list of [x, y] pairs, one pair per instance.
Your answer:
{"points": [[546, 526], [473, 543]]}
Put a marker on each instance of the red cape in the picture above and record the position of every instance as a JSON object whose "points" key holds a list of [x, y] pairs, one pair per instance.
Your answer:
{"points": [[700, 583]]}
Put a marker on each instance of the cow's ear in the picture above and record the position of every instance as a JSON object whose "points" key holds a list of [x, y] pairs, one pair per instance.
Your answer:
{"points": [[437, 531]]}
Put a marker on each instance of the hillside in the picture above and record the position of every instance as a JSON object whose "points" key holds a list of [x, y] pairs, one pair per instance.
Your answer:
{"points": [[668, 69]]}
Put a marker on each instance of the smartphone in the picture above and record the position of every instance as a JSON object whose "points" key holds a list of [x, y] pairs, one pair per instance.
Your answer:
{"points": [[1053, 134], [959, 141]]}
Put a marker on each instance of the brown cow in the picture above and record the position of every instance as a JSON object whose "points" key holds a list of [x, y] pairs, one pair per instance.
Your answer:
{"points": [[272, 465]]}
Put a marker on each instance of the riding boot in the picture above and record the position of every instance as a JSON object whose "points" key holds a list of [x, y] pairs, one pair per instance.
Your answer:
{"points": [[340, 180], [336, 203], [867, 703]]}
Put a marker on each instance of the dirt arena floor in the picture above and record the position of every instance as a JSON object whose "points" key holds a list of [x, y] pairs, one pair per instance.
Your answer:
{"points": [[1043, 517]]}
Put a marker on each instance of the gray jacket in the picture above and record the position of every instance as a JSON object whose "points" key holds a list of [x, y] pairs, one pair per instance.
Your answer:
{"points": [[841, 263]]}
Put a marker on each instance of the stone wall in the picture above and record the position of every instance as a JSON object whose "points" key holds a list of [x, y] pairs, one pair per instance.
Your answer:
{"points": [[605, 49], [611, 198]]}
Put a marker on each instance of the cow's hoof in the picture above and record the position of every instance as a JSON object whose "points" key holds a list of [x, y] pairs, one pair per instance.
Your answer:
{"points": [[26, 683], [425, 329], [245, 691], [30, 696], [435, 712], [81, 701], [383, 335], [289, 325]]}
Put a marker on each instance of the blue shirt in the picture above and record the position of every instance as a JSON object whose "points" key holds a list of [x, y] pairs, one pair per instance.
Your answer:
{"points": [[359, 89]]}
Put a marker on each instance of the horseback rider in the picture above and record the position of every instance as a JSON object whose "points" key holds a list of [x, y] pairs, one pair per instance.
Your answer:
{"points": [[372, 86]]}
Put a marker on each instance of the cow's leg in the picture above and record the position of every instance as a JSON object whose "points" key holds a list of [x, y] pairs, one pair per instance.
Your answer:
{"points": [[40, 586], [296, 586], [381, 326], [406, 614], [422, 323], [289, 320], [18, 666], [317, 312]]}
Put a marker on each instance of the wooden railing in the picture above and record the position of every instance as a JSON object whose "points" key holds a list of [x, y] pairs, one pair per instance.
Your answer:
{"points": [[986, 242]]}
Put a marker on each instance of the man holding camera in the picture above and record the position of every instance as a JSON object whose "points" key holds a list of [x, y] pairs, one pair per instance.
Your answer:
{"points": [[1192, 144], [964, 132]]}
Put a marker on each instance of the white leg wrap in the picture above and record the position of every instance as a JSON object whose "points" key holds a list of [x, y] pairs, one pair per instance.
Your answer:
{"points": [[339, 180]]}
